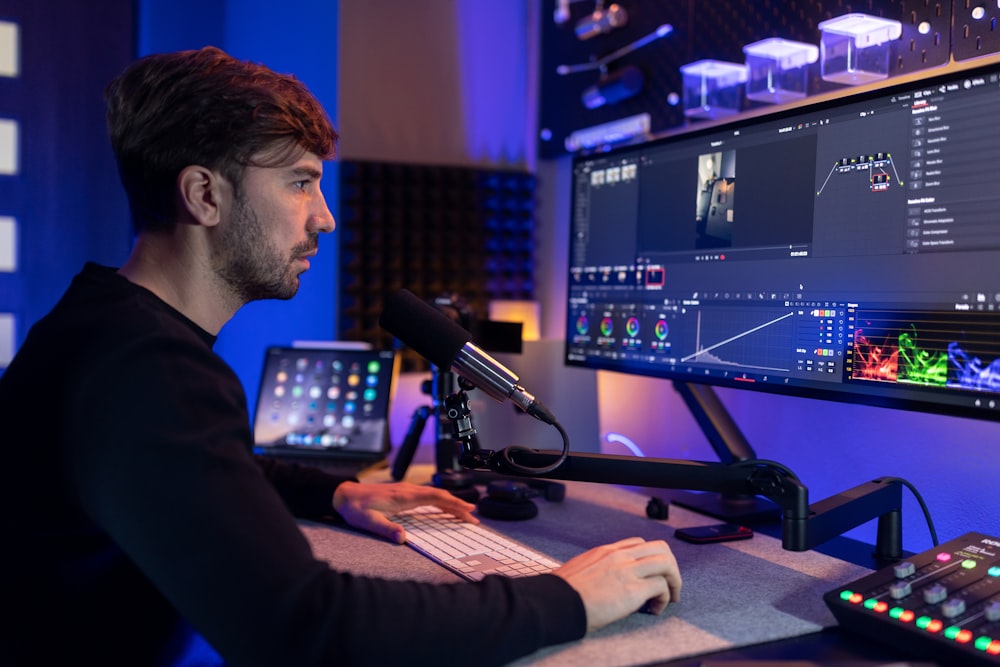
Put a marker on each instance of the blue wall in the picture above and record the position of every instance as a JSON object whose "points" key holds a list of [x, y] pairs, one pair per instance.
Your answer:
{"points": [[66, 199], [300, 40]]}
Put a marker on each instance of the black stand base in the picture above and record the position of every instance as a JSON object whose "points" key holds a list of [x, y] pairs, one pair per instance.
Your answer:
{"points": [[744, 510], [460, 483]]}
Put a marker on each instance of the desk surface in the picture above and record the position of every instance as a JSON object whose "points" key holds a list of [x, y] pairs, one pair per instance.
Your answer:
{"points": [[735, 594]]}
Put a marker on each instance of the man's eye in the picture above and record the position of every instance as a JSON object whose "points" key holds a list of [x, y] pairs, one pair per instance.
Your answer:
{"points": [[301, 185]]}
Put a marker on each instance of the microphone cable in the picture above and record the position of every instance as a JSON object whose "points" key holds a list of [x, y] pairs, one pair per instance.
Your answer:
{"points": [[508, 453]]}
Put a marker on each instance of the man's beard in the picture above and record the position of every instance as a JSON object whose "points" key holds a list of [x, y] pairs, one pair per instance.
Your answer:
{"points": [[249, 264]]}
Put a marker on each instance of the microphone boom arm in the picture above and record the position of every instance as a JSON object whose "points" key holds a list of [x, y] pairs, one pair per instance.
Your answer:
{"points": [[747, 477], [804, 526]]}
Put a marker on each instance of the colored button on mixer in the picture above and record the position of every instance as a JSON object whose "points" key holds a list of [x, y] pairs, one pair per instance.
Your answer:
{"points": [[876, 605], [851, 596], [900, 614], [929, 624], [943, 557]]}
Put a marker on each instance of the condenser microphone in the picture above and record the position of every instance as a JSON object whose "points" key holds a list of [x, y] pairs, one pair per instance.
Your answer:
{"points": [[448, 346]]}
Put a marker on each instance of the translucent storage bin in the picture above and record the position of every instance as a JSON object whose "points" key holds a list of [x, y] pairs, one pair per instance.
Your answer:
{"points": [[854, 48], [712, 88], [778, 69]]}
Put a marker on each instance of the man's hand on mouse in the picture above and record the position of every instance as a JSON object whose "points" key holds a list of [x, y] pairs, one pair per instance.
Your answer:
{"points": [[617, 579]]}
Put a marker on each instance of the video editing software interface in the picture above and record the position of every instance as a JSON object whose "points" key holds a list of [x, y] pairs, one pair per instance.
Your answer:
{"points": [[848, 249]]}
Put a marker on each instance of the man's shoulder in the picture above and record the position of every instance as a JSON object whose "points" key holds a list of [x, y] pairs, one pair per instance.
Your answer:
{"points": [[101, 305], [106, 329]]}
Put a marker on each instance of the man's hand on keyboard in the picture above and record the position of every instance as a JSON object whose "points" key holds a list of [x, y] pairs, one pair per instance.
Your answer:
{"points": [[366, 506], [617, 579]]}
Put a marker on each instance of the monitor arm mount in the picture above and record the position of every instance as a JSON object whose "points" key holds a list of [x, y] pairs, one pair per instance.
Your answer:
{"points": [[804, 526]]}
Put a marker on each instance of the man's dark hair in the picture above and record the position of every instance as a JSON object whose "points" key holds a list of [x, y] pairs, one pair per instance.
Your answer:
{"points": [[172, 110]]}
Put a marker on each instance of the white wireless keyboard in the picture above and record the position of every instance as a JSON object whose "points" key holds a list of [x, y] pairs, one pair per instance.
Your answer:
{"points": [[469, 550]]}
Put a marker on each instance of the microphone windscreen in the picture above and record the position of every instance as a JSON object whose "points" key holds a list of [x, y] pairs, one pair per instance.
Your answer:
{"points": [[423, 328]]}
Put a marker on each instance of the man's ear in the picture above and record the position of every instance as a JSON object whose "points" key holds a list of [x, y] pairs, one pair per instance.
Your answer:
{"points": [[201, 193]]}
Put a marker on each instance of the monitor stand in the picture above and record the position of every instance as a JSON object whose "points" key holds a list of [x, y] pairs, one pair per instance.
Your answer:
{"points": [[730, 446]]}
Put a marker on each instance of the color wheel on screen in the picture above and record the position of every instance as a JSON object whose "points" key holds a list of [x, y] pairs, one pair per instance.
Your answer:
{"points": [[661, 330], [632, 327]]}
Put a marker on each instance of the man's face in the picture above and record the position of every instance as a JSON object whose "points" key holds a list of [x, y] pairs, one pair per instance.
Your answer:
{"points": [[273, 229]]}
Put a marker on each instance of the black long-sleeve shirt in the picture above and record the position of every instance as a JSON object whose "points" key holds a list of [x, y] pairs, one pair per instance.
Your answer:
{"points": [[134, 511]]}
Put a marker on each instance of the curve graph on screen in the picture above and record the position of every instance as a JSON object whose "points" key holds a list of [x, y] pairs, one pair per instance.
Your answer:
{"points": [[752, 339]]}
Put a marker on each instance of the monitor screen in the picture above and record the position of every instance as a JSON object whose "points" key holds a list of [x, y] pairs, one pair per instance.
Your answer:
{"points": [[859, 262]]}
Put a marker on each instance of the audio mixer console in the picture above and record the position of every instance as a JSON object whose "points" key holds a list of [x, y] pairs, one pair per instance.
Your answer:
{"points": [[943, 603]]}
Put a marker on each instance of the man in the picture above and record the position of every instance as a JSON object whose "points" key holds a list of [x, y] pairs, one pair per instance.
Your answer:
{"points": [[137, 520]]}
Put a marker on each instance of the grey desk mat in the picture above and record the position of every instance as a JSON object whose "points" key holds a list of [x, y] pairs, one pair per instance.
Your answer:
{"points": [[735, 594]]}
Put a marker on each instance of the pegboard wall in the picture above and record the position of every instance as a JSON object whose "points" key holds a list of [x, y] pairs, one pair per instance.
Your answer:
{"points": [[433, 230], [933, 32]]}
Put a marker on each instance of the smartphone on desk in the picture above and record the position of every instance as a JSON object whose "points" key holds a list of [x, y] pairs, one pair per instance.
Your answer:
{"points": [[717, 532]]}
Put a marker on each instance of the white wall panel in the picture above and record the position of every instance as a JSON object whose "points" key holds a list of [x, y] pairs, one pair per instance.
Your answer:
{"points": [[8, 146], [8, 244], [10, 64], [6, 339]]}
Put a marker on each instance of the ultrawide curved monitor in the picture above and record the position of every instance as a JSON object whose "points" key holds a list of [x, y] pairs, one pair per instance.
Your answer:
{"points": [[845, 249]]}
